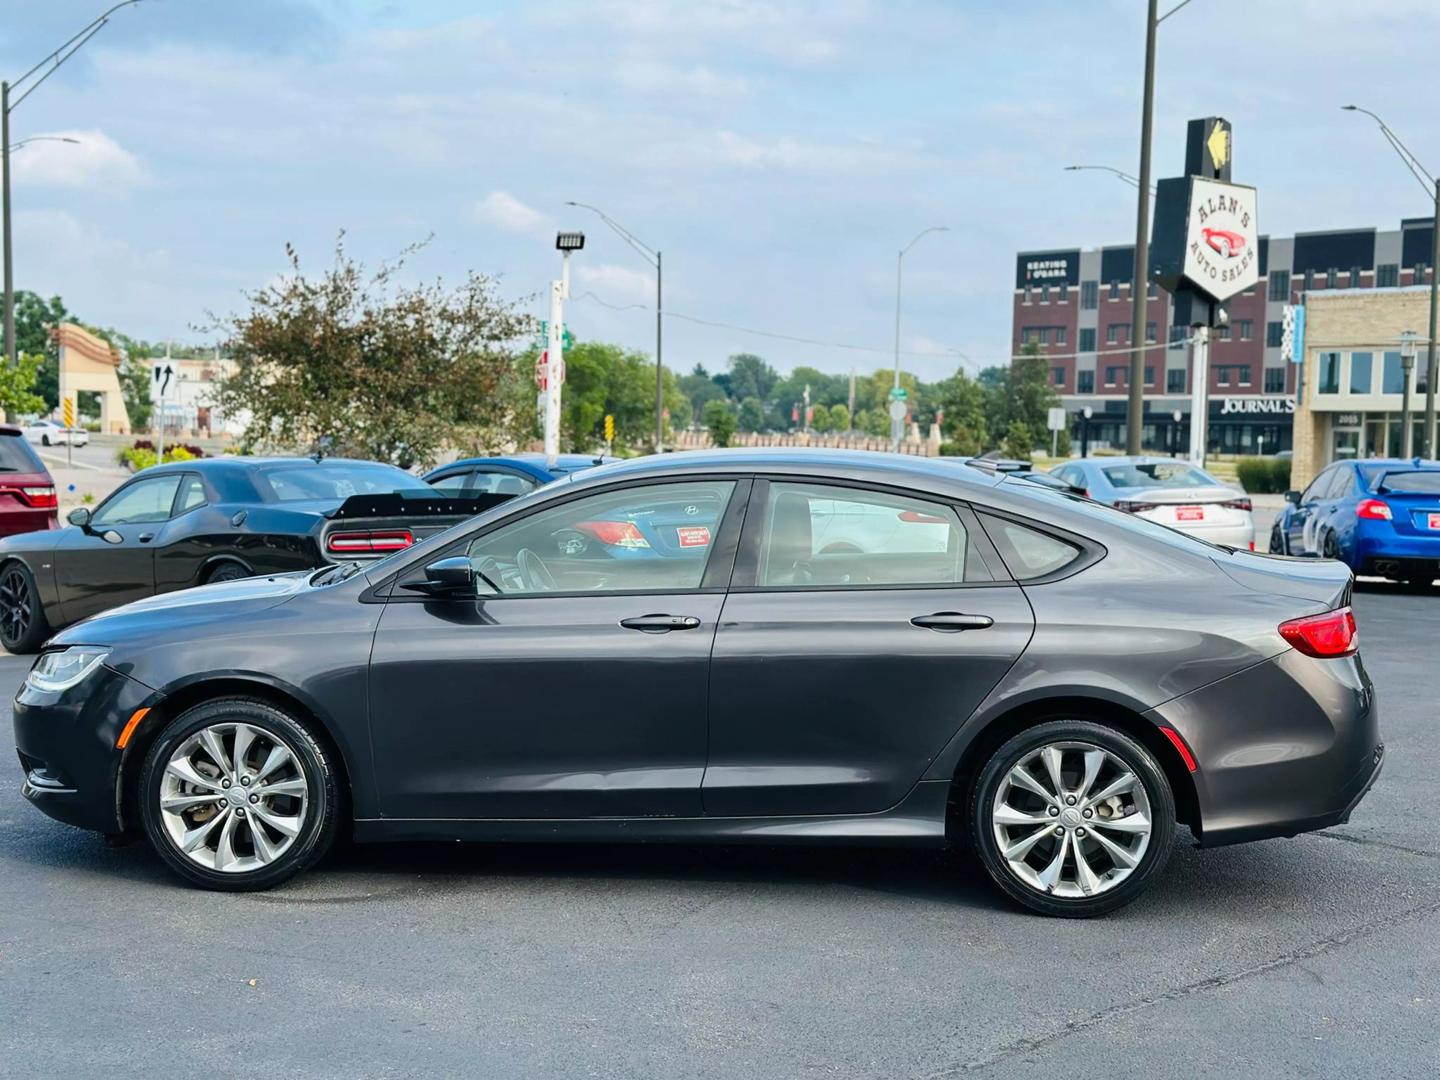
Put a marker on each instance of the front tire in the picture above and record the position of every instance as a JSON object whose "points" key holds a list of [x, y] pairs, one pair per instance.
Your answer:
{"points": [[44, 440], [1277, 540], [237, 795], [23, 626], [1072, 818]]}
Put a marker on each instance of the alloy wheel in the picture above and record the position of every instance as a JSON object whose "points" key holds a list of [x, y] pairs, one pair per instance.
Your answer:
{"points": [[233, 797], [1071, 819], [15, 605]]}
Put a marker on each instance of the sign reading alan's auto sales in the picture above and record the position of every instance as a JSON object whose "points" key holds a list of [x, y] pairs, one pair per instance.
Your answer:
{"points": [[1222, 238]]}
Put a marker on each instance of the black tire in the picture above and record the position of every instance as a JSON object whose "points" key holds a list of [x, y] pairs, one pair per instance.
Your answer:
{"points": [[321, 815], [23, 626], [1329, 547], [1277, 540], [226, 571], [1134, 757], [44, 440]]}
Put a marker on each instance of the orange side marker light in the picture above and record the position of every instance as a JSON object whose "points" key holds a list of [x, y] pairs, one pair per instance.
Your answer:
{"points": [[129, 728]]}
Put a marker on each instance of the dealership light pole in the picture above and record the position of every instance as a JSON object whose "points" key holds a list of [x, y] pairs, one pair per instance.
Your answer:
{"points": [[897, 409], [7, 106], [1125, 176], [651, 256], [1431, 184], [565, 243], [1407, 368]]}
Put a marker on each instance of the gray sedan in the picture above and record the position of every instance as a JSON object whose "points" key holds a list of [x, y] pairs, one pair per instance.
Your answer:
{"points": [[858, 649]]}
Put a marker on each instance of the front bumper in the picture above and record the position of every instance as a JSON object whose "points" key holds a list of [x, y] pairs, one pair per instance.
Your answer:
{"points": [[66, 743], [1285, 747]]}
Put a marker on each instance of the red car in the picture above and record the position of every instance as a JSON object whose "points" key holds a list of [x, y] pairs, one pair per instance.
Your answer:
{"points": [[1224, 241], [27, 491]]}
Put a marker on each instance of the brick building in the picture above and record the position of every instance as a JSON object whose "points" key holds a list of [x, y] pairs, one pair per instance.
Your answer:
{"points": [[1076, 306]]}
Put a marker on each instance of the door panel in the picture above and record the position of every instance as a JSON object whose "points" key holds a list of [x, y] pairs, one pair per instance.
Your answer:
{"points": [[541, 707], [834, 702]]}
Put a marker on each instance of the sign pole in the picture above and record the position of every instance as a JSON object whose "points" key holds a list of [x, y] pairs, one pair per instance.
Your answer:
{"points": [[1199, 394]]}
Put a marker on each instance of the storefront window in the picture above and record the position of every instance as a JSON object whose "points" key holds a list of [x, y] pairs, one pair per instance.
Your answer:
{"points": [[1329, 373], [1360, 372], [1393, 376]]}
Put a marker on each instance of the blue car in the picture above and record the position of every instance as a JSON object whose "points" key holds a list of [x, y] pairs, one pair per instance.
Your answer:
{"points": [[514, 475], [1380, 516]]}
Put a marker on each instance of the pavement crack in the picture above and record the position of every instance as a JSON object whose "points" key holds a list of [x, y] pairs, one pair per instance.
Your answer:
{"points": [[1421, 852], [1215, 982]]}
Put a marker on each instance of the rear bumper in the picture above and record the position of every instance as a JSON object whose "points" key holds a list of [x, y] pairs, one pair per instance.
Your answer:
{"points": [[1285, 747], [66, 743]]}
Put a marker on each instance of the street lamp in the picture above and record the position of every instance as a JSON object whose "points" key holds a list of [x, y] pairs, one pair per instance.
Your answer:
{"points": [[651, 256], [1431, 184], [1407, 368], [53, 60], [1125, 176], [1140, 286], [897, 414], [43, 138]]}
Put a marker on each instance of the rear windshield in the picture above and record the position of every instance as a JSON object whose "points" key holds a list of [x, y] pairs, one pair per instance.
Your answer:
{"points": [[16, 456], [1426, 482], [335, 480], [1157, 474], [1107, 515]]}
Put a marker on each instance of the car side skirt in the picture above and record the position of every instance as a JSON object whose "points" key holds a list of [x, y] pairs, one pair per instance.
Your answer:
{"points": [[917, 819]]}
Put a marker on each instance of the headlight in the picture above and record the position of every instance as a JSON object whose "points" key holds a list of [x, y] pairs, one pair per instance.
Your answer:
{"points": [[63, 668]]}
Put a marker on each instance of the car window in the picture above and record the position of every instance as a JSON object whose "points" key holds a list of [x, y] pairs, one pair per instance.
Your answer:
{"points": [[1318, 486], [335, 480], [1157, 474], [143, 501], [497, 482], [653, 537], [16, 456], [820, 536], [1425, 482], [454, 483], [1340, 485], [1029, 553], [192, 493]]}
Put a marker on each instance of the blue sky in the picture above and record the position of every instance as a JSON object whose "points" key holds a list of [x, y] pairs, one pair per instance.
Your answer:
{"points": [[779, 153]]}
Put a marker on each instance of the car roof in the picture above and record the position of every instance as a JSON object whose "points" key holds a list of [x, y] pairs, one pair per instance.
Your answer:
{"points": [[247, 463], [529, 461]]}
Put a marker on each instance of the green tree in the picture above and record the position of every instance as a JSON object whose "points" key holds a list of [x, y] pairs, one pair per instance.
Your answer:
{"points": [[719, 421], [1019, 441], [820, 419], [966, 424], [699, 388], [839, 417], [18, 385], [34, 319], [374, 368], [752, 415], [605, 379], [750, 376]]}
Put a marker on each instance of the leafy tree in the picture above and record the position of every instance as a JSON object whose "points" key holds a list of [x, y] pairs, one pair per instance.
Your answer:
{"points": [[374, 368], [34, 319], [873, 422], [1022, 394], [1019, 441], [17, 384], [750, 376], [601, 379], [699, 388], [820, 419], [719, 421], [966, 406], [839, 417], [752, 415]]}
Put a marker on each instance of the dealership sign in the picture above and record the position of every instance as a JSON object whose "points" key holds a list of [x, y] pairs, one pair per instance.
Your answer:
{"points": [[1222, 240]]}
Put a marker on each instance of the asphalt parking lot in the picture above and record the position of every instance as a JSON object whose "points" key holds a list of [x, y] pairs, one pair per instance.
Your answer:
{"points": [[1290, 958]]}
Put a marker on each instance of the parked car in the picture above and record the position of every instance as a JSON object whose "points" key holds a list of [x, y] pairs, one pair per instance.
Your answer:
{"points": [[1055, 681], [513, 475], [53, 433], [1380, 517], [27, 491], [209, 520], [1169, 491]]}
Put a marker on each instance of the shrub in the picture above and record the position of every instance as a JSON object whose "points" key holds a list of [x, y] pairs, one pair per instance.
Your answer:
{"points": [[1263, 475]]}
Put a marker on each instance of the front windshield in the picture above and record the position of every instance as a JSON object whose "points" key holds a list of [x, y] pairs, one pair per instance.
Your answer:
{"points": [[1157, 474], [302, 482]]}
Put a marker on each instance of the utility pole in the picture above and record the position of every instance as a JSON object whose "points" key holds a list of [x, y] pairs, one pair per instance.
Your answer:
{"points": [[852, 395], [1199, 394], [565, 243], [659, 355], [1140, 285], [897, 396]]}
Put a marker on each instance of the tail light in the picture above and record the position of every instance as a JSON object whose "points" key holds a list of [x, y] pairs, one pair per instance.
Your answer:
{"points": [[1237, 504], [1373, 510], [1326, 636], [1135, 507], [40, 497], [369, 543], [615, 533]]}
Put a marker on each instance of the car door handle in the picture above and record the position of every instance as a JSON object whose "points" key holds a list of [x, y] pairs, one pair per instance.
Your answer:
{"points": [[145, 538], [952, 621], [660, 624]]}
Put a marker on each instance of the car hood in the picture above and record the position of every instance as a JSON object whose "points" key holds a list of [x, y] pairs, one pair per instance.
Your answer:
{"points": [[25, 543], [176, 611]]}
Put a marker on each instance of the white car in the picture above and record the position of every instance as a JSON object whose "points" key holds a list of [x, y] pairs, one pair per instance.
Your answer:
{"points": [[1168, 490], [54, 433]]}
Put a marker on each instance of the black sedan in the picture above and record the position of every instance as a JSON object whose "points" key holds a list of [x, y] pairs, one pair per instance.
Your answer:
{"points": [[873, 649], [211, 520]]}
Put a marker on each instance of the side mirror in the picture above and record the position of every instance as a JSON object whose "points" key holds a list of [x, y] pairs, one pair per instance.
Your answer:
{"points": [[1293, 497], [79, 516], [446, 578]]}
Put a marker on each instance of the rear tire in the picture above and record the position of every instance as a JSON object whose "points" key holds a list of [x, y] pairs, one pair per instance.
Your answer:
{"points": [[1330, 548], [1277, 540], [237, 795], [226, 571], [23, 626], [44, 440], [1123, 839]]}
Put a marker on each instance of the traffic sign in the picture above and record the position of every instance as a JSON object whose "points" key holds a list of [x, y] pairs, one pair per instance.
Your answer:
{"points": [[67, 411], [898, 393], [542, 371], [609, 428], [897, 409], [565, 335]]}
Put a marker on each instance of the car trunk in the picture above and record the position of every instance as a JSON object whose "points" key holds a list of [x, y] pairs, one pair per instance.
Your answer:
{"points": [[1322, 581], [366, 527], [1194, 507], [1414, 513]]}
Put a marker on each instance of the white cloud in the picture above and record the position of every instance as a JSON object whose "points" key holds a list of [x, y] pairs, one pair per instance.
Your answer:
{"points": [[617, 284], [501, 210], [86, 159]]}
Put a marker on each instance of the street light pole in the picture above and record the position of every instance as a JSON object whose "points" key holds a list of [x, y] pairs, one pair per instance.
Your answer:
{"points": [[1407, 368], [897, 423], [1431, 184], [651, 256], [54, 59], [1140, 285], [1117, 173]]}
